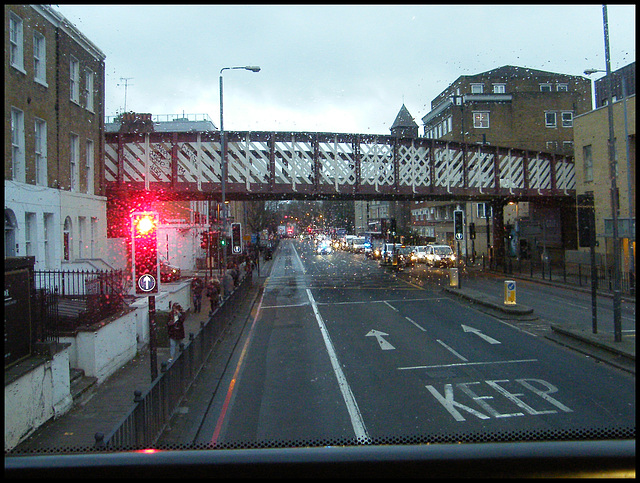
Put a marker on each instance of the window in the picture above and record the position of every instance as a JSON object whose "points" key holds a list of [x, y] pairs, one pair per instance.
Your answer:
{"points": [[16, 45], [31, 235], [74, 146], [89, 164], [88, 87], [39, 58], [483, 210], [588, 163], [92, 240], [46, 239], [545, 87], [550, 118], [17, 145], [81, 229], [481, 119], [562, 88], [41, 152], [499, 88], [66, 239], [567, 118], [74, 80], [477, 88]]}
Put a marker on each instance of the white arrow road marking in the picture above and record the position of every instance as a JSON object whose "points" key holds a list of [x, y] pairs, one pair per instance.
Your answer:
{"points": [[384, 345], [490, 340]]}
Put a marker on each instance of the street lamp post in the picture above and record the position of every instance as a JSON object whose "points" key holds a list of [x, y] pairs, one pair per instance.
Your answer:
{"points": [[617, 327], [223, 160]]}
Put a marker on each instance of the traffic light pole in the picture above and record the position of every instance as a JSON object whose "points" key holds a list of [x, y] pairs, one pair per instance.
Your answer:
{"points": [[153, 350]]}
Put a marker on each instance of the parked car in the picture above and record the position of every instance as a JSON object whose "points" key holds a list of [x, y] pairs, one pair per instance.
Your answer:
{"points": [[406, 257], [440, 256], [168, 273]]}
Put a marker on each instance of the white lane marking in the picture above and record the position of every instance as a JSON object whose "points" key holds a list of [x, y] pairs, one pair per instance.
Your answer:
{"points": [[390, 305], [466, 364], [416, 324], [352, 406], [451, 350]]}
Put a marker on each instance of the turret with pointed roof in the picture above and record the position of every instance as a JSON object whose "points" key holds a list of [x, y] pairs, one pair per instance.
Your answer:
{"points": [[404, 126]]}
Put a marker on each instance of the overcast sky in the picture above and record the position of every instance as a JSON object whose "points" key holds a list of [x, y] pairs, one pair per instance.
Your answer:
{"points": [[332, 68]]}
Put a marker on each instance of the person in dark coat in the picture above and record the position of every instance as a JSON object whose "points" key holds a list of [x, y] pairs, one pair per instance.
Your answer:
{"points": [[197, 288], [213, 292], [175, 329]]}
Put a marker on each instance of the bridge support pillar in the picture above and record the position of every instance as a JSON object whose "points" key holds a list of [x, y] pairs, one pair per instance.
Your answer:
{"points": [[499, 255]]}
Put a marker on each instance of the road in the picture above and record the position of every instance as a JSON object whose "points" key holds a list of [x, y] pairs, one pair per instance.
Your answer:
{"points": [[339, 349]]}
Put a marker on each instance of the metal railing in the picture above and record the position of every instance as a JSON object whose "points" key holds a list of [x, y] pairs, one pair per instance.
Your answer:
{"points": [[68, 300], [152, 409]]}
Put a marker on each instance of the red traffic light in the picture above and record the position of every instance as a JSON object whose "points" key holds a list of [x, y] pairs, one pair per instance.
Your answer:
{"points": [[144, 250]]}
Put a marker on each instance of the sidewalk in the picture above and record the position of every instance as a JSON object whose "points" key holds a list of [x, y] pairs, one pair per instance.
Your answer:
{"points": [[112, 400]]}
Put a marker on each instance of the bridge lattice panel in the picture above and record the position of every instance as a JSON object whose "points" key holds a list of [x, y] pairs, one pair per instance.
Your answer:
{"points": [[327, 164]]}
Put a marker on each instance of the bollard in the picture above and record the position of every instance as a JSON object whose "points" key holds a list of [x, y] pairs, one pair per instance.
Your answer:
{"points": [[509, 292], [453, 277]]}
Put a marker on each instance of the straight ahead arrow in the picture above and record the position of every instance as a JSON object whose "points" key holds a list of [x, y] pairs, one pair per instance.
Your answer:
{"points": [[490, 340], [384, 345]]}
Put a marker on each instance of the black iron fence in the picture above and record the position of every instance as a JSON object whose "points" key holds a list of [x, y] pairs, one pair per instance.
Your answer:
{"points": [[151, 410], [68, 300], [573, 273]]}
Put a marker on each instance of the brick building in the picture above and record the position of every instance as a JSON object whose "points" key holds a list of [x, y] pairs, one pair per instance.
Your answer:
{"points": [[508, 106], [593, 177], [55, 207]]}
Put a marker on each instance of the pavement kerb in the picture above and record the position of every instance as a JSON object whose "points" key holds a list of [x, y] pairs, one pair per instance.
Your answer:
{"points": [[488, 301]]}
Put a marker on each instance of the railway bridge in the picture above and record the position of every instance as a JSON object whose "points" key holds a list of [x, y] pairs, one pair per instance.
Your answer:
{"points": [[307, 165]]}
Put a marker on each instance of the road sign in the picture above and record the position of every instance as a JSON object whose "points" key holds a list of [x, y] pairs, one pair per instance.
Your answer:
{"points": [[509, 292], [147, 283]]}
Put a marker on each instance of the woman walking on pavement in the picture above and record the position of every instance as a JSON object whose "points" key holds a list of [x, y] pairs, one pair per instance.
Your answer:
{"points": [[175, 329]]}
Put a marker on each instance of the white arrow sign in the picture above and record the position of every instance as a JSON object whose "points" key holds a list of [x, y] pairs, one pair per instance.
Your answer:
{"points": [[384, 345], [490, 340]]}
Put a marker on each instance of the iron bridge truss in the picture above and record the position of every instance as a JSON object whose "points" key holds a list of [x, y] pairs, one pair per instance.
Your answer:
{"points": [[281, 165]]}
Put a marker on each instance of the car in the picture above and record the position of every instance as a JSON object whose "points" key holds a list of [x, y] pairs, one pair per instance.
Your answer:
{"points": [[421, 253], [324, 248], [406, 256], [169, 273], [440, 256]]}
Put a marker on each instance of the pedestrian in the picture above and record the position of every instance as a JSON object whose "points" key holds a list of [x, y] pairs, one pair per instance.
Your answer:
{"points": [[227, 283], [213, 292], [175, 329], [196, 291]]}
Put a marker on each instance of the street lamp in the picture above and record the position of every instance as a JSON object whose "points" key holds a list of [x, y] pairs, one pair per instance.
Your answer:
{"points": [[223, 160], [617, 328]]}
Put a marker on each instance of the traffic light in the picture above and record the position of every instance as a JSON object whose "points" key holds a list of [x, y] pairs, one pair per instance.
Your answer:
{"points": [[458, 225], [472, 231], [236, 238], [204, 240], [144, 249]]}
